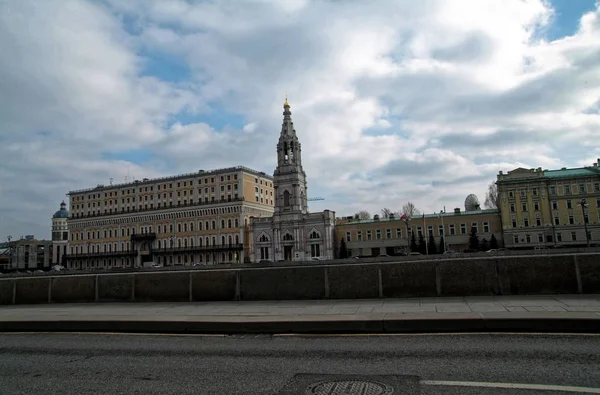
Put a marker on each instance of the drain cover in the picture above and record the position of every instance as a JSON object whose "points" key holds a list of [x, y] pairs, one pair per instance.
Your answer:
{"points": [[349, 387]]}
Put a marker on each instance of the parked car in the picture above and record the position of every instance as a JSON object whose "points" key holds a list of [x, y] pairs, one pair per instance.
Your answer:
{"points": [[492, 250], [415, 253]]}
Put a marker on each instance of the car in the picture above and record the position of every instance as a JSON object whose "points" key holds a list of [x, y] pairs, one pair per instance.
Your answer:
{"points": [[316, 258], [450, 252], [492, 250], [384, 256], [415, 253]]}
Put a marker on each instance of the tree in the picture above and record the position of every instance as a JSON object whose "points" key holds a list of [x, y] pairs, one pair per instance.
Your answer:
{"points": [[442, 248], [484, 245], [410, 210], [363, 214], [491, 197], [431, 245], [493, 242], [386, 212], [422, 247], [473, 240], [413, 242], [343, 250]]}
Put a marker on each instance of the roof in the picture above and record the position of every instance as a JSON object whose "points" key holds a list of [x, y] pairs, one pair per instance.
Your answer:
{"points": [[200, 173], [62, 213], [568, 173]]}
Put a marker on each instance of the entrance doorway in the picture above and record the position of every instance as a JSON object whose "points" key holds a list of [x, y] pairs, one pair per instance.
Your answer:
{"points": [[287, 253]]}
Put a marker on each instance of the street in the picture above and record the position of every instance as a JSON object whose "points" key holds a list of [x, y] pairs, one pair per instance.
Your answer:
{"points": [[264, 364]]}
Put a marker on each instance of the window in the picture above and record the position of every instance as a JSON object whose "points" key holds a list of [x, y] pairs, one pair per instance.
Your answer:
{"points": [[474, 226], [369, 236], [556, 220], [522, 193], [486, 227], [540, 238], [552, 190], [558, 237], [511, 194], [512, 207], [536, 206], [388, 234], [378, 234], [359, 235], [463, 229], [524, 206], [567, 190], [264, 252], [516, 239], [528, 238], [573, 236], [429, 230], [569, 204], [398, 233], [554, 205], [581, 188], [534, 191], [597, 187], [440, 230], [314, 235], [419, 231], [347, 236], [452, 230], [571, 219], [315, 250], [538, 221]]}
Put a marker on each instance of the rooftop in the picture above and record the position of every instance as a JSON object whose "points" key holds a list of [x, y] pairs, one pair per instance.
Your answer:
{"points": [[564, 173], [419, 217], [147, 181]]}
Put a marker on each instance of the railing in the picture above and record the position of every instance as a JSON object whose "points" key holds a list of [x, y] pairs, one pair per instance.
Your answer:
{"points": [[212, 248], [84, 255], [134, 211], [201, 173]]}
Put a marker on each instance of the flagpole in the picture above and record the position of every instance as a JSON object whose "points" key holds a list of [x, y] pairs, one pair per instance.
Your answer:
{"points": [[426, 236]]}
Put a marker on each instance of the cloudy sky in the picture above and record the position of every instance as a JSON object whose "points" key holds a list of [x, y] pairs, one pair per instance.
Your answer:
{"points": [[393, 100]]}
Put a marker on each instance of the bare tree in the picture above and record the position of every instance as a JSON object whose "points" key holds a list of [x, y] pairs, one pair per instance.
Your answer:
{"points": [[386, 212], [410, 210], [491, 197], [363, 214]]}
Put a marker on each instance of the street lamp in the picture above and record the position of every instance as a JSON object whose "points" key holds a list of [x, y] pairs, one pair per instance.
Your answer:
{"points": [[583, 203], [406, 221], [441, 215], [9, 252]]}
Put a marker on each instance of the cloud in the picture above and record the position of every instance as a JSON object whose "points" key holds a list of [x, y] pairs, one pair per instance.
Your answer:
{"points": [[392, 100]]}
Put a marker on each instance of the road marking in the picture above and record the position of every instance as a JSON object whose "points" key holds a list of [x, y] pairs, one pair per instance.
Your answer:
{"points": [[432, 334], [116, 334], [564, 388]]}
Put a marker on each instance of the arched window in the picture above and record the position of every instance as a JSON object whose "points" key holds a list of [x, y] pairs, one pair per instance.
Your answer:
{"points": [[286, 198], [199, 241], [199, 225], [214, 240], [237, 239], [191, 227], [185, 243], [314, 235], [185, 227], [229, 239], [179, 243], [222, 224], [288, 237], [207, 227], [191, 241], [207, 241], [214, 224], [262, 239], [230, 256], [229, 223], [237, 223], [222, 240]]}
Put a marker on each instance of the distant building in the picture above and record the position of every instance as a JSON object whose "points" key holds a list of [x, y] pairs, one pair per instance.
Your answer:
{"points": [[292, 233], [546, 208], [378, 236], [60, 235], [200, 217], [29, 254]]}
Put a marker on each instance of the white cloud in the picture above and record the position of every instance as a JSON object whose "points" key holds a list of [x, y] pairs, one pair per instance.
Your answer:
{"points": [[392, 100]]}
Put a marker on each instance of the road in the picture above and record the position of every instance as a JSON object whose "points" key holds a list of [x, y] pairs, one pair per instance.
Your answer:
{"points": [[263, 364]]}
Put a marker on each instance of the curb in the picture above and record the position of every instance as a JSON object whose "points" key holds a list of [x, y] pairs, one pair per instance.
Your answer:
{"points": [[414, 324]]}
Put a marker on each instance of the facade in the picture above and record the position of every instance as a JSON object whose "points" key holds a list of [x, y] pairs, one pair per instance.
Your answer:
{"points": [[389, 236], [60, 235], [201, 217], [550, 208], [292, 233], [29, 254]]}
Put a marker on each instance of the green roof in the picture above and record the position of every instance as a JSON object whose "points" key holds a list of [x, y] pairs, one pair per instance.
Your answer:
{"points": [[568, 173], [420, 216]]}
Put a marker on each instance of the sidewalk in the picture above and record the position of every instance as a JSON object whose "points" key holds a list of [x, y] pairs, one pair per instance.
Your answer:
{"points": [[557, 313]]}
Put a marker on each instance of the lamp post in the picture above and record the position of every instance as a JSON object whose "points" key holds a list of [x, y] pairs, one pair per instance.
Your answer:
{"points": [[406, 222], [441, 215], [9, 252], [583, 203]]}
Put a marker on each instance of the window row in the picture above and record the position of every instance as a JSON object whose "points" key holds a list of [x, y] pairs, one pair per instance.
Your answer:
{"points": [[398, 234]]}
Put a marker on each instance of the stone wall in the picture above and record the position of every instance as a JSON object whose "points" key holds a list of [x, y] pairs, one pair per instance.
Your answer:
{"points": [[478, 275]]}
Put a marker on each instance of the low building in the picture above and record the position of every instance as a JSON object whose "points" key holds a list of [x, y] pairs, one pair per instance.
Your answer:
{"points": [[29, 254], [390, 236], [550, 208]]}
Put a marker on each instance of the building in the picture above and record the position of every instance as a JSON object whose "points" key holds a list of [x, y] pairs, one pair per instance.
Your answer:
{"points": [[546, 208], [292, 233], [29, 254], [390, 236], [60, 235], [200, 217]]}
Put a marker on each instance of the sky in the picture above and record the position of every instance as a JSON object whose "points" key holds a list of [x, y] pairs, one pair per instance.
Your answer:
{"points": [[392, 100]]}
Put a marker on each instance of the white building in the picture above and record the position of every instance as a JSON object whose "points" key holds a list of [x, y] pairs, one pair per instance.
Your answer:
{"points": [[60, 235], [292, 233]]}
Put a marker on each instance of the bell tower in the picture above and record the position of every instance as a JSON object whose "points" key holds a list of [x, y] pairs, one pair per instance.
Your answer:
{"points": [[289, 177]]}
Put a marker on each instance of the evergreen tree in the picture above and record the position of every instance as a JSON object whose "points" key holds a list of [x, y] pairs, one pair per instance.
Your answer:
{"points": [[484, 245], [343, 251], [473, 240], [431, 245], [442, 248], [493, 242], [413, 243], [422, 247]]}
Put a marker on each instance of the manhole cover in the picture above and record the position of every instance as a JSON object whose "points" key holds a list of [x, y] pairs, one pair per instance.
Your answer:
{"points": [[349, 387]]}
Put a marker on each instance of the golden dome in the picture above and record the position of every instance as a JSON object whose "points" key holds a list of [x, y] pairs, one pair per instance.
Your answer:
{"points": [[286, 104]]}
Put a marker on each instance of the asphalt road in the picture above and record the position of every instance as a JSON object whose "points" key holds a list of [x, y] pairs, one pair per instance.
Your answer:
{"points": [[262, 364]]}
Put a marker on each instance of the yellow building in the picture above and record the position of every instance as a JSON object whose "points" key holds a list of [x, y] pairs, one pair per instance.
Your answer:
{"points": [[389, 236], [546, 208], [192, 218]]}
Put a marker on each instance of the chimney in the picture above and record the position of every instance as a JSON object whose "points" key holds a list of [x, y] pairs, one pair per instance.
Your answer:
{"points": [[457, 210], [376, 217], [391, 215]]}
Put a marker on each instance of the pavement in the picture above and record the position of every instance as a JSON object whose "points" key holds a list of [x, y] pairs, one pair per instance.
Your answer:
{"points": [[550, 313]]}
